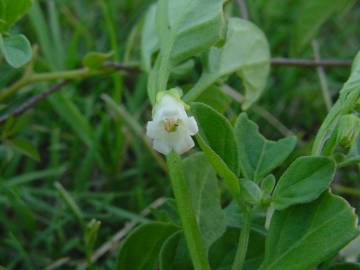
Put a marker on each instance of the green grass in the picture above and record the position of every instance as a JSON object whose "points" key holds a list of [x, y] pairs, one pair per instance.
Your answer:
{"points": [[97, 152]]}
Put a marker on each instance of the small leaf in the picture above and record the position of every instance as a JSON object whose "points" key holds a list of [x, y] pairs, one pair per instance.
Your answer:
{"points": [[141, 248], [95, 60], [245, 52], [257, 155], [16, 50], [268, 184], [303, 236], [24, 147], [304, 181], [250, 191], [205, 197]]}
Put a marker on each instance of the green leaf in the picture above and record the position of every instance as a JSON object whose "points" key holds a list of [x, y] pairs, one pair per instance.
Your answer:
{"points": [[16, 50], [25, 147], [218, 133], [141, 248], [304, 180], [257, 155], [174, 254], [216, 140], [303, 236], [312, 15], [11, 11], [245, 52], [250, 191], [205, 197], [190, 26], [149, 38], [185, 29], [95, 60]]}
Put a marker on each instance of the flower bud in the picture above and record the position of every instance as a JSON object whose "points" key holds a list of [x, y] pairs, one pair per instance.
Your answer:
{"points": [[348, 130], [171, 127]]}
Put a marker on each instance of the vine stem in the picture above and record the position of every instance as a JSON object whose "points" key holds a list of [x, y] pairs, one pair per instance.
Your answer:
{"points": [[76, 74], [243, 243], [187, 216]]}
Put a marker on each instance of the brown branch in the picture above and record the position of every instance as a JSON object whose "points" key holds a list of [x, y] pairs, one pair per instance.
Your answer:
{"points": [[122, 67], [310, 63], [28, 104]]}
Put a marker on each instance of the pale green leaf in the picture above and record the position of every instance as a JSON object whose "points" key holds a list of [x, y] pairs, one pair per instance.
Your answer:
{"points": [[245, 52], [192, 26], [16, 50]]}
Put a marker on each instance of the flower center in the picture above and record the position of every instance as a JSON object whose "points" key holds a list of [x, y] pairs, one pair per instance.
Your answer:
{"points": [[171, 125]]}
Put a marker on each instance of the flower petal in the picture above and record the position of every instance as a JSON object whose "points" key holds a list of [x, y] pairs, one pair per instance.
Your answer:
{"points": [[161, 146], [192, 125], [152, 129], [184, 145]]}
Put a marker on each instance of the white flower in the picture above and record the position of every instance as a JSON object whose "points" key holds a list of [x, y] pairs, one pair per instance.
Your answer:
{"points": [[171, 128]]}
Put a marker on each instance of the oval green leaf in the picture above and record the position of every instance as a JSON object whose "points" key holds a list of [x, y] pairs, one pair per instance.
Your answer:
{"points": [[304, 180], [16, 50]]}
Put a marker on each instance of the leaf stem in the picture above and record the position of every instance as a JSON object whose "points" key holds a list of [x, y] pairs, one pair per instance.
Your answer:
{"points": [[243, 243], [191, 230]]}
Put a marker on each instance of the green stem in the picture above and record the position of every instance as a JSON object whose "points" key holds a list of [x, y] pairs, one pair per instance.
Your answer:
{"points": [[188, 220], [243, 243], [165, 64], [49, 76]]}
